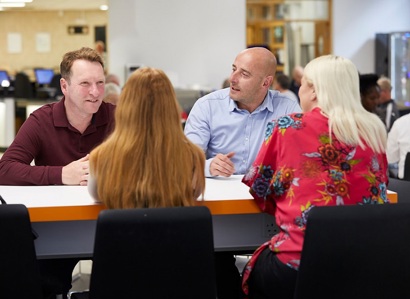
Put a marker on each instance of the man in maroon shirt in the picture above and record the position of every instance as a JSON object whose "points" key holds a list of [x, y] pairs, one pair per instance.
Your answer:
{"points": [[58, 137]]}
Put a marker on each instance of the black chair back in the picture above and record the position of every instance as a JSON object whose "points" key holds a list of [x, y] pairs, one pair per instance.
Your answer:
{"points": [[407, 168], [402, 187], [19, 276], [154, 253], [359, 251], [55, 83], [23, 88]]}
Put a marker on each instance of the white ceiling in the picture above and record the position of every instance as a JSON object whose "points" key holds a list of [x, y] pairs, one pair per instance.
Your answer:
{"points": [[62, 5]]}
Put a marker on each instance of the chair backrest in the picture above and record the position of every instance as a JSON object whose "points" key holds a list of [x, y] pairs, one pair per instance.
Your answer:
{"points": [[154, 253], [402, 187], [407, 167], [55, 83], [22, 86], [359, 251], [19, 276]]}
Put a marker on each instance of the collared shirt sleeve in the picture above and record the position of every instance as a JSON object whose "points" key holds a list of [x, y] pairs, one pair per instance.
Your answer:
{"points": [[15, 168], [217, 125], [198, 131], [47, 139]]}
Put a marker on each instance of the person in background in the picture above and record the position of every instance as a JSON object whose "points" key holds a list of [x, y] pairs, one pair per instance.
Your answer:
{"points": [[369, 91], [112, 78], [297, 74], [331, 154], [281, 83], [398, 145], [111, 93], [147, 161], [227, 125], [58, 137], [101, 50], [387, 108]]}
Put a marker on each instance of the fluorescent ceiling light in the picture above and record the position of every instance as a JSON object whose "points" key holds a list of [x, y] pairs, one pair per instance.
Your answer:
{"points": [[15, 4], [14, 1], [104, 7]]}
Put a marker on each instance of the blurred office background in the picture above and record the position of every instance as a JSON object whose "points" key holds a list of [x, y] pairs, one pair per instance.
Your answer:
{"points": [[194, 42]]}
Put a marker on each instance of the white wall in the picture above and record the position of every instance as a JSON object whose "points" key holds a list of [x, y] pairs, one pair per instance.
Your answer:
{"points": [[194, 41], [355, 24]]}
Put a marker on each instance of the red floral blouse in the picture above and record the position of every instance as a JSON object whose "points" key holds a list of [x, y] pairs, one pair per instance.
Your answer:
{"points": [[299, 167]]}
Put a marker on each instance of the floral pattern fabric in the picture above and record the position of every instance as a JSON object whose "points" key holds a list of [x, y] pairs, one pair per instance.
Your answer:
{"points": [[300, 166]]}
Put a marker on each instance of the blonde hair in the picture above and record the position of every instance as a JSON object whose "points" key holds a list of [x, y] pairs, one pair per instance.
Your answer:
{"points": [[147, 161], [336, 83], [384, 83]]}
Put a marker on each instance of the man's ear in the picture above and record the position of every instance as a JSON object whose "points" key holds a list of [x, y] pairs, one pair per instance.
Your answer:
{"points": [[63, 85], [268, 81]]}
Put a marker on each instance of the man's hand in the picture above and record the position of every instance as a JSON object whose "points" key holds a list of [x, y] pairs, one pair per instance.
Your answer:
{"points": [[222, 165], [76, 173]]}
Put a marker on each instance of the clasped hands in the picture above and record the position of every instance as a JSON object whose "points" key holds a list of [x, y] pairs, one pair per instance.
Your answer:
{"points": [[222, 165], [77, 172]]}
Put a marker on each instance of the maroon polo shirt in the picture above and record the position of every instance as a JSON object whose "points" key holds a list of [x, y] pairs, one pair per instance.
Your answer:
{"points": [[48, 138]]}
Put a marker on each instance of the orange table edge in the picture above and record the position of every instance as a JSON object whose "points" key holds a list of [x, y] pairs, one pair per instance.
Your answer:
{"points": [[90, 212]]}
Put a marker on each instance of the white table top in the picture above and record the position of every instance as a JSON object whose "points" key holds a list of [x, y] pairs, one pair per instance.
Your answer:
{"points": [[58, 203], [58, 196]]}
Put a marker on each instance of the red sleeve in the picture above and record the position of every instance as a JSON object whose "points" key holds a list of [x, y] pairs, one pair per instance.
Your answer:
{"points": [[259, 177]]}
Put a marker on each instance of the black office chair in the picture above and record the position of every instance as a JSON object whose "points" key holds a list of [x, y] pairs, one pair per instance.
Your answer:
{"points": [[402, 187], [356, 252], [407, 168], [55, 83], [156, 253], [23, 88], [19, 276]]}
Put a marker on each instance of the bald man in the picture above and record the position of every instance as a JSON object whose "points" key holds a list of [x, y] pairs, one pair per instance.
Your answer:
{"points": [[229, 124]]}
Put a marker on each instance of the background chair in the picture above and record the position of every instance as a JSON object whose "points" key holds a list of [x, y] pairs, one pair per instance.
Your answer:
{"points": [[359, 251], [23, 88], [55, 83], [19, 276], [407, 168], [154, 253], [402, 187]]}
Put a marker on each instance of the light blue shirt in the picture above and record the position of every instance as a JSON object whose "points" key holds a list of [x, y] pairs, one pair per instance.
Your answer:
{"points": [[217, 125]]}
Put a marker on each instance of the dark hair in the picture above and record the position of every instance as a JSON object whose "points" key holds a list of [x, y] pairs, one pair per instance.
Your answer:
{"points": [[83, 54], [283, 81], [367, 82]]}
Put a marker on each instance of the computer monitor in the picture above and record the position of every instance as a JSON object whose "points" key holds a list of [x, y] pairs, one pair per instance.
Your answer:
{"points": [[43, 76], [4, 79]]}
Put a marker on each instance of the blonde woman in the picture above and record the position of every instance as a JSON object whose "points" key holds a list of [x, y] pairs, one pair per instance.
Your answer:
{"points": [[331, 154], [147, 161]]}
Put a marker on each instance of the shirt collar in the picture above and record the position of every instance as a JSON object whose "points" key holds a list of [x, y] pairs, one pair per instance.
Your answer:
{"points": [[266, 104]]}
